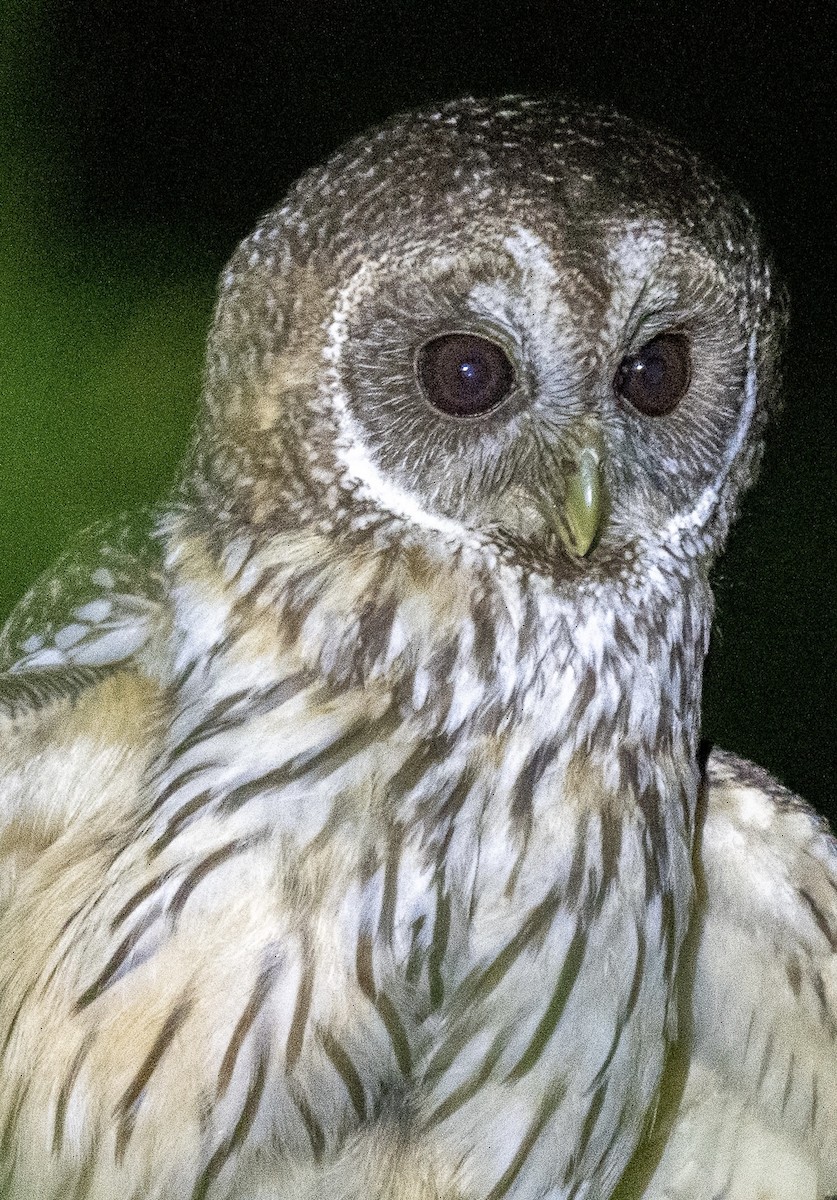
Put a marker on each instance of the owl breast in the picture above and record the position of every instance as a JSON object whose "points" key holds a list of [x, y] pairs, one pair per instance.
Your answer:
{"points": [[402, 904]]}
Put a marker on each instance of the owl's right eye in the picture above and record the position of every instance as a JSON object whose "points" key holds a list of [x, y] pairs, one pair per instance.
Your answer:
{"points": [[464, 375]]}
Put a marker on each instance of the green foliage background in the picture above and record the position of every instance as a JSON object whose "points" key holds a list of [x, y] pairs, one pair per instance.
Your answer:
{"points": [[101, 333], [100, 342]]}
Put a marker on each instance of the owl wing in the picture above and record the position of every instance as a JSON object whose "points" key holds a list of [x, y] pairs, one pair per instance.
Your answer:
{"points": [[93, 609], [749, 1101], [71, 696]]}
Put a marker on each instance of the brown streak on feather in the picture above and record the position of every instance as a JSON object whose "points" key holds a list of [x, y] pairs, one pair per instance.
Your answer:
{"points": [[438, 945], [484, 650], [820, 918], [826, 1014], [174, 786], [86, 907], [748, 1037], [415, 766], [216, 721], [397, 1033], [222, 718], [467, 1090], [126, 1108], [789, 1082], [525, 1148], [575, 876], [517, 866], [452, 805], [346, 1069], [239, 1134], [117, 960], [312, 1126], [415, 955], [794, 974], [483, 980], [316, 763], [259, 995], [624, 1018], [527, 784], [209, 864], [521, 806], [364, 968], [386, 920], [138, 897], [612, 831], [548, 1023], [181, 818], [13, 1024], [296, 1033], [590, 1120], [767, 1055]]}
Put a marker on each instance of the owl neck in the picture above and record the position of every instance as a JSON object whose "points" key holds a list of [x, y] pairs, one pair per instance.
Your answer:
{"points": [[452, 646]]}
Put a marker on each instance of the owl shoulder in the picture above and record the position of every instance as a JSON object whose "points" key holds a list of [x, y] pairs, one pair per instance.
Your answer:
{"points": [[766, 861], [748, 1104]]}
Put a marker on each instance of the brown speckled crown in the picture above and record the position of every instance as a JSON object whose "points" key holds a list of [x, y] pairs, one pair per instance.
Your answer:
{"points": [[431, 178]]}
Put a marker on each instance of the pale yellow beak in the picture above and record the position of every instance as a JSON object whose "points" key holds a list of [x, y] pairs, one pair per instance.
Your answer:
{"points": [[585, 499]]}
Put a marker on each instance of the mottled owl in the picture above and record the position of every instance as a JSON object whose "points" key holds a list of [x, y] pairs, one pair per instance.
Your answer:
{"points": [[356, 835]]}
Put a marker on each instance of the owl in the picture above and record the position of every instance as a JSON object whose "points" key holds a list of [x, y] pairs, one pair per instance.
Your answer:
{"points": [[357, 839]]}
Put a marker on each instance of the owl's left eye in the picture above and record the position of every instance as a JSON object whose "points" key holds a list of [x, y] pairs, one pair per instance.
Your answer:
{"points": [[463, 374], [656, 379]]}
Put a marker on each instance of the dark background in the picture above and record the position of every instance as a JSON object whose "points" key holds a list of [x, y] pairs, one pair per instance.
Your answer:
{"points": [[139, 141]]}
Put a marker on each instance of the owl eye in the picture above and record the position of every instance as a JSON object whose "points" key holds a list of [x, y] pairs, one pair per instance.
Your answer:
{"points": [[463, 375], [656, 379]]}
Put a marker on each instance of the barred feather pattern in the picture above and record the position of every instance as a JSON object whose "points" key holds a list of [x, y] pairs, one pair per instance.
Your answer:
{"points": [[376, 886]]}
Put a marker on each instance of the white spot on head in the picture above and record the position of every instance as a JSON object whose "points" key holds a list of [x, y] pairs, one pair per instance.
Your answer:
{"points": [[634, 251], [530, 254]]}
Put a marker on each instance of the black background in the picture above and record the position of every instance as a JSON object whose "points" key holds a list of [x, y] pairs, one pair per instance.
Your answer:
{"points": [[142, 140]]}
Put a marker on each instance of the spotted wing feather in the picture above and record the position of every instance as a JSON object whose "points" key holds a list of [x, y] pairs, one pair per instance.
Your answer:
{"points": [[93, 609]]}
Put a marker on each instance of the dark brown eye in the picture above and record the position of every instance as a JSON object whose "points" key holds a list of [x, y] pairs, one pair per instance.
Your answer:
{"points": [[463, 375], [656, 379]]}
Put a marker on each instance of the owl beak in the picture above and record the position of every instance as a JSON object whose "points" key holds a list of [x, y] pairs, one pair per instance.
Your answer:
{"points": [[585, 499]]}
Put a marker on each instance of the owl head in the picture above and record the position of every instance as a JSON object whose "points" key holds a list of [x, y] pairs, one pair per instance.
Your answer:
{"points": [[516, 325]]}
